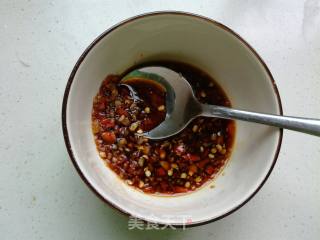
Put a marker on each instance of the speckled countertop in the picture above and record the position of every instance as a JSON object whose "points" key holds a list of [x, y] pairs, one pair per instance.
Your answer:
{"points": [[42, 196]]}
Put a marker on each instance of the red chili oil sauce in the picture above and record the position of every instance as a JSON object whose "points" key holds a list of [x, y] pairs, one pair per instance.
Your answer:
{"points": [[178, 164]]}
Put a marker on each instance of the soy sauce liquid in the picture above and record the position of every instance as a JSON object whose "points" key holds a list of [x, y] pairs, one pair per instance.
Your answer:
{"points": [[149, 96]]}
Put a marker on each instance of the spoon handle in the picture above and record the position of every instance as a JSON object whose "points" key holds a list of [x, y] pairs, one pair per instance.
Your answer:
{"points": [[305, 125]]}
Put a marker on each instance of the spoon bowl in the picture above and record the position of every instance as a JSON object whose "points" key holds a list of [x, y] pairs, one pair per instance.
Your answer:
{"points": [[181, 104]]}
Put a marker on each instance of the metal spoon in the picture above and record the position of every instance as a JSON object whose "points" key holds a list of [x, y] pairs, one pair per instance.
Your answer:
{"points": [[182, 106]]}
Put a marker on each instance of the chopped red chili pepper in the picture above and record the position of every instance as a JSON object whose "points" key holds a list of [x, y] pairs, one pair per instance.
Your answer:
{"points": [[109, 137], [161, 172], [192, 157], [107, 123]]}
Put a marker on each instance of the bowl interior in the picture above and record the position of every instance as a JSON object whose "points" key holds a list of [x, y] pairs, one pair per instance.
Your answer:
{"points": [[213, 49]]}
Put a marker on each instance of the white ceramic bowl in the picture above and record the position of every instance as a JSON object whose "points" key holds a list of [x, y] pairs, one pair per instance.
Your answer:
{"points": [[213, 48]]}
